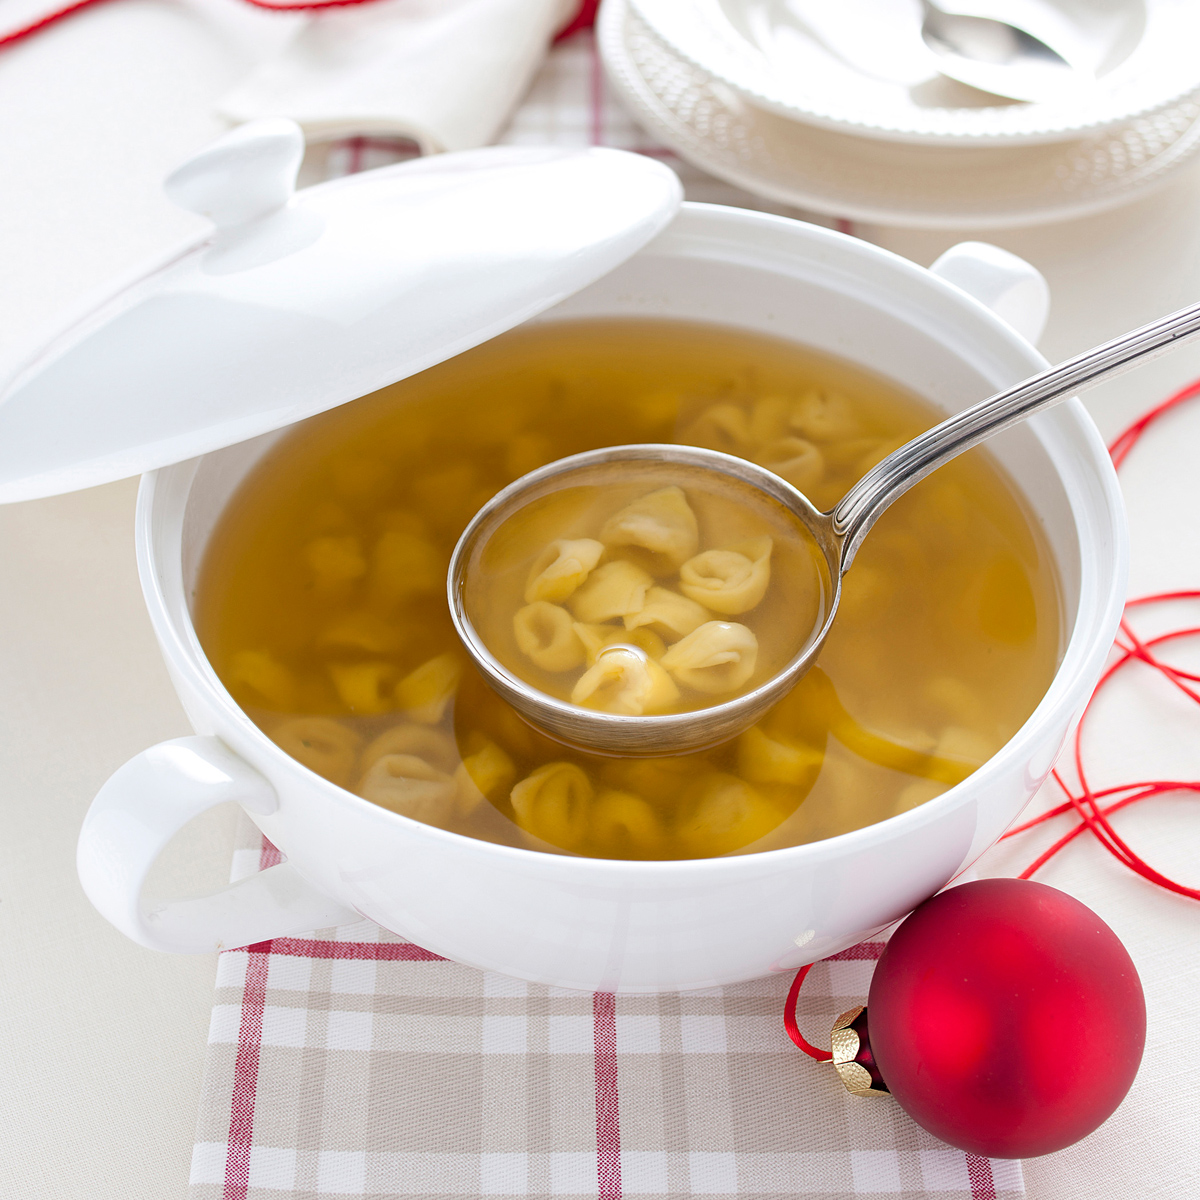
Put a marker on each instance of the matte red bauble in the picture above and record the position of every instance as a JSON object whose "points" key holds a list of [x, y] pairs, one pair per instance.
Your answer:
{"points": [[1006, 1018]]}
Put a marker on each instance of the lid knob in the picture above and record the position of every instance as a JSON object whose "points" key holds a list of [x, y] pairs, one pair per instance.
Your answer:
{"points": [[242, 176]]}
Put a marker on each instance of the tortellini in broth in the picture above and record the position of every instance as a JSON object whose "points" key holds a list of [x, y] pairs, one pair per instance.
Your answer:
{"points": [[322, 599], [661, 524], [665, 566], [729, 581]]}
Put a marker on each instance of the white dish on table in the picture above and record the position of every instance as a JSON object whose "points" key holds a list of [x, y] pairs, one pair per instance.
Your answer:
{"points": [[890, 183], [294, 282], [859, 66]]}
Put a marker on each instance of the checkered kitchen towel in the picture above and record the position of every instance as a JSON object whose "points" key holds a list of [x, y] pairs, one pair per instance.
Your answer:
{"points": [[352, 1063]]}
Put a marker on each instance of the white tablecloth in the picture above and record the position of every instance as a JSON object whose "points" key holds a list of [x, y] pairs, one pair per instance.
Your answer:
{"points": [[101, 1043]]}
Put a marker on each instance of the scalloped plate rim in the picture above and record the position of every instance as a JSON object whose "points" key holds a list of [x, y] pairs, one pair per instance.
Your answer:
{"points": [[612, 43], [689, 33]]}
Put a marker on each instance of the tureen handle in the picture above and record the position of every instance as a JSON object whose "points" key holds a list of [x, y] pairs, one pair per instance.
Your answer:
{"points": [[137, 812], [1016, 291], [247, 174]]}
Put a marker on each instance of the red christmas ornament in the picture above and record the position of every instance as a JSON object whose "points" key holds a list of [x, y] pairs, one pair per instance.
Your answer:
{"points": [[1005, 1017]]}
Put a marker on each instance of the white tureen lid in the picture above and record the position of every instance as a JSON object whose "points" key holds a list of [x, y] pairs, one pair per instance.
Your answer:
{"points": [[297, 302]]}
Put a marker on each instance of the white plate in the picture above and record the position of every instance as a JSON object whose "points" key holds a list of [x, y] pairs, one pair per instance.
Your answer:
{"points": [[860, 66], [923, 187]]}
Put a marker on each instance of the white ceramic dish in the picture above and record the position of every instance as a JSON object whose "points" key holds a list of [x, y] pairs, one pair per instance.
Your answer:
{"points": [[616, 925], [859, 178], [859, 66]]}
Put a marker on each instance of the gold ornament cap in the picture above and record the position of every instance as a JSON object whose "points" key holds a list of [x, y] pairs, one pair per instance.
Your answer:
{"points": [[846, 1045]]}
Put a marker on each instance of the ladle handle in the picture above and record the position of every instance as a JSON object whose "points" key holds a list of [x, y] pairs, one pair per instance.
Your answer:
{"points": [[885, 483]]}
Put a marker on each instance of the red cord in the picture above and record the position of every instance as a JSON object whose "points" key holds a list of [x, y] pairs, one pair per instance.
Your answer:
{"points": [[51, 18], [583, 19], [1093, 815], [1125, 441], [789, 1018], [1086, 805], [41, 23]]}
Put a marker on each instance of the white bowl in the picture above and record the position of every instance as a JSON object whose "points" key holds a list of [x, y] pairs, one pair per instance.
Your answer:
{"points": [[617, 925]]}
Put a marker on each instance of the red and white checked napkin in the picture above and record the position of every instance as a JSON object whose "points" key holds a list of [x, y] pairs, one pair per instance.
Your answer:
{"points": [[352, 1063]]}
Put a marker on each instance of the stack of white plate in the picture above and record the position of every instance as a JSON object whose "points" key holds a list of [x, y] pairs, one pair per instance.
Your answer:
{"points": [[835, 106]]}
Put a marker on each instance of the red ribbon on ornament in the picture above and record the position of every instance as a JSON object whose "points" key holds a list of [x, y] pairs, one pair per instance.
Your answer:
{"points": [[583, 19], [789, 1019]]}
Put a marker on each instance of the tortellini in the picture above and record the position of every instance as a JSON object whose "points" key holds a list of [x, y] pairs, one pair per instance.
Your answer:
{"points": [[662, 523], [561, 568], [668, 614], [718, 657], [795, 459], [596, 638], [405, 563], [335, 560], [363, 687], [625, 681], [729, 581], [485, 773], [546, 633], [825, 417], [424, 693], [969, 746], [321, 744], [552, 803], [635, 640], [559, 804], [408, 785], [778, 432], [613, 590], [266, 678], [432, 745], [722, 812], [360, 631], [769, 419], [657, 779], [919, 792], [626, 826], [723, 427], [764, 759]]}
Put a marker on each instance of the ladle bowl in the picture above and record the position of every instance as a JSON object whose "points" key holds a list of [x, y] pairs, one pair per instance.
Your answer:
{"points": [[838, 533], [616, 733]]}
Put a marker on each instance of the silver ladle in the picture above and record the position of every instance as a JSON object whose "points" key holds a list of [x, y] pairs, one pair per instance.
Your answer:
{"points": [[839, 533], [998, 57]]}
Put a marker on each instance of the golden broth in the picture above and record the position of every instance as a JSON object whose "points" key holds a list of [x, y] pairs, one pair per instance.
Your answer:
{"points": [[322, 606]]}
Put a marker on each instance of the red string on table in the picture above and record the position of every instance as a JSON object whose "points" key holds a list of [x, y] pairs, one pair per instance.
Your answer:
{"points": [[1086, 802], [583, 19]]}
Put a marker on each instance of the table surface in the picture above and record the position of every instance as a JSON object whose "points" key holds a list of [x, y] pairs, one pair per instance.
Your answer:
{"points": [[103, 1042]]}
